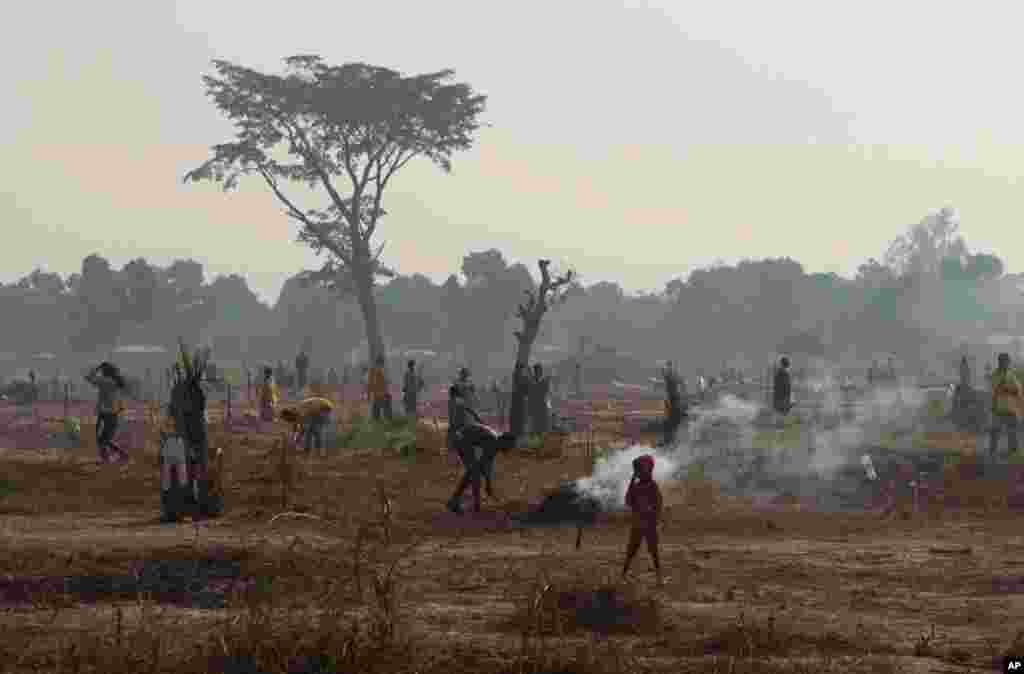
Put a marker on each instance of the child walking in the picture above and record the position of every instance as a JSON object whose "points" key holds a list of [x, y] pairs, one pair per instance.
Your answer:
{"points": [[644, 498]]}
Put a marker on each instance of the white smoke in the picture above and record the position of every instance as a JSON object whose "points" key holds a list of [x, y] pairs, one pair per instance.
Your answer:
{"points": [[816, 448]]}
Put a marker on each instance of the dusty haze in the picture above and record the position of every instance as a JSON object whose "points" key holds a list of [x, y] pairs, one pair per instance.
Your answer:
{"points": [[726, 132]]}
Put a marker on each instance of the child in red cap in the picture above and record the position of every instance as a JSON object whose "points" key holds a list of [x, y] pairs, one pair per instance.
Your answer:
{"points": [[644, 498]]}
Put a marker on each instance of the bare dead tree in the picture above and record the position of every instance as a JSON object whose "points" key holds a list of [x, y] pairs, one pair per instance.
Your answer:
{"points": [[550, 293]]}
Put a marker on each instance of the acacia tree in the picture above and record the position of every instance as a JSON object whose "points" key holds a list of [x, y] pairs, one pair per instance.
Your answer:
{"points": [[356, 124]]}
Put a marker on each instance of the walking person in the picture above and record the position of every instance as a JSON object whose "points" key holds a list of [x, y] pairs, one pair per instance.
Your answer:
{"points": [[1006, 399], [109, 383], [643, 497]]}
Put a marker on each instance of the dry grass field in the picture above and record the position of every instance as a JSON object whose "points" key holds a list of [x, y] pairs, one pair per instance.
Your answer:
{"points": [[349, 562]]}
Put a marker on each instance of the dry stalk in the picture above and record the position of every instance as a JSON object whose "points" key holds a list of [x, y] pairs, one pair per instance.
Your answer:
{"points": [[386, 512]]}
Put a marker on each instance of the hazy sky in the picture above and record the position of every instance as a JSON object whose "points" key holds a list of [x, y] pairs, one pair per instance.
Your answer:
{"points": [[635, 140]]}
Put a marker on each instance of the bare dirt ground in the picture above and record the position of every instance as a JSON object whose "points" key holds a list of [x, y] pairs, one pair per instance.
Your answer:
{"points": [[746, 590]]}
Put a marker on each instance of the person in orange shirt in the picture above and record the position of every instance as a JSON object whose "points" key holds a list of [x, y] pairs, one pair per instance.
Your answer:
{"points": [[377, 389], [268, 395]]}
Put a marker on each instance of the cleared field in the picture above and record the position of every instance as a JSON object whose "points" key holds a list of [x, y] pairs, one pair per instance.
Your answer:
{"points": [[349, 582]]}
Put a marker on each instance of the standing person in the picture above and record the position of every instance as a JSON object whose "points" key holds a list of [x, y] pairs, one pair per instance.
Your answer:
{"points": [[411, 387], [376, 388], [540, 412], [309, 418], [517, 403], [673, 404], [890, 373], [332, 378], [577, 380], [301, 371], [465, 383], [459, 401], [965, 373], [643, 497], [782, 389], [109, 385], [268, 395], [1006, 394], [873, 373]]}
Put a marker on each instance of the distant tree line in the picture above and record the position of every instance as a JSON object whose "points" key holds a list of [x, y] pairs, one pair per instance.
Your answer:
{"points": [[926, 295]]}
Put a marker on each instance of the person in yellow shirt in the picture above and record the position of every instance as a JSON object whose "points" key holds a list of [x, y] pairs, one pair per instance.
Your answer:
{"points": [[377, 389], [268, 395], [310, 417], [1006, 394]]}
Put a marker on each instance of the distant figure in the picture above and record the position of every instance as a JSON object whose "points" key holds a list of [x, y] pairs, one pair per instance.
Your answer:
{"points": [[109, 385], [332, 378], [33, 387], [268, 395], [502, 395], [377, 389], [890, 373], [540, 411], [346, 375], [1006, 398], [468, 387], [281, 374], [782, 391], [643, 498], [577, 381], [411, 387], [873, 373], [673, 404], [988, 373], [965, 373], [301, 370]]}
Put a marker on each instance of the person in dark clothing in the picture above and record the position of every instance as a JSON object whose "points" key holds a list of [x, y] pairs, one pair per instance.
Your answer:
{"points": [[782, 394], [517, 401], [411, 387], [301, 370], [673, 404], [540, 389], [477, 446], [459, 401], [109, 383]]}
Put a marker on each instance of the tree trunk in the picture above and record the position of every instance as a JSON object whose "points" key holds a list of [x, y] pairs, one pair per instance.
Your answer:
{"points": [[520, 384], [368, 304]]}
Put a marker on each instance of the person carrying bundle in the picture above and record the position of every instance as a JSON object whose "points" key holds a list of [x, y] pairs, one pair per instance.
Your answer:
{"points": [[309, 419], [109, 384], [477, 446]]}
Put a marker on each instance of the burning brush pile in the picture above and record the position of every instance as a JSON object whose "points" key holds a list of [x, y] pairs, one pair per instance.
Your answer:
{"points": [[568, 504]]}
